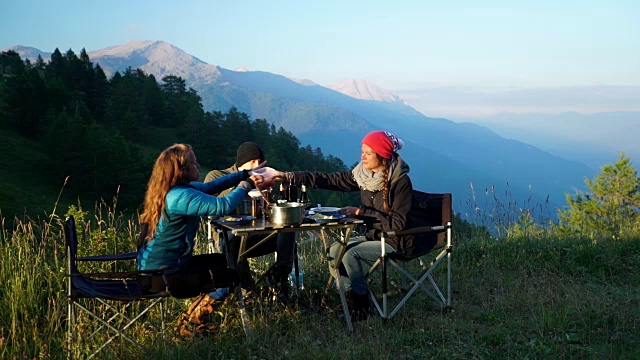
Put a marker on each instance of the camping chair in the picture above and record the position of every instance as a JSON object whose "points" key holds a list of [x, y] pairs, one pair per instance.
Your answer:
{"points": [[430, 222], [95, 294], [108, 298]]}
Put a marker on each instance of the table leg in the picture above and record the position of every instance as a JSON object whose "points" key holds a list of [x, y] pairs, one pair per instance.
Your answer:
{"points": [[243, 312], [345, 305], [336, 270]]}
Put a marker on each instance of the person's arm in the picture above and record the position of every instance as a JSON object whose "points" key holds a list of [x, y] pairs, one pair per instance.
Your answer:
{"points": [[337, 181], [190, 201], [215, 174], [222, 183]]}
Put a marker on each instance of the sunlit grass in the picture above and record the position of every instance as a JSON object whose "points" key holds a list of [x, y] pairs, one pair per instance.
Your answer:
{"points": [[529, 296]]}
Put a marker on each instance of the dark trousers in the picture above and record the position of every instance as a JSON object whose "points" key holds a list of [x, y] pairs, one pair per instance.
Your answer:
{"points": [[203, 274], [282, 244]]}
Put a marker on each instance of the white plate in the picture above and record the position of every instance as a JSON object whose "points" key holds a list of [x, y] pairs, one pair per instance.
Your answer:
{"points": [[323, 219], [325, 210], [237, 219]]}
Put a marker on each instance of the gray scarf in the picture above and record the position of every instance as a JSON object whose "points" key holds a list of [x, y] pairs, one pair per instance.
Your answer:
{"points": [[368, 180]]}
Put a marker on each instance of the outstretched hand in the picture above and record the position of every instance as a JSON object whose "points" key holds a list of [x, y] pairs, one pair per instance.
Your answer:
{"points": [[258, 180], [349, 211], [268, 175]]}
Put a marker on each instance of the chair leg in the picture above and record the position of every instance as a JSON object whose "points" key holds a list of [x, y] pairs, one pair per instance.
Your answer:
{"points": [[70, 327], [163, 307], [243, 313]]}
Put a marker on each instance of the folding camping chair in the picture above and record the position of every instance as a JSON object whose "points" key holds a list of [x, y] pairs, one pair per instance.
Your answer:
{"points": [[96, 294], [430, 222], [113, 300]]}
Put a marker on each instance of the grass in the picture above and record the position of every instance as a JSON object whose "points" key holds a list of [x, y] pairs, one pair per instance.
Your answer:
{"points": [[514, 298]]}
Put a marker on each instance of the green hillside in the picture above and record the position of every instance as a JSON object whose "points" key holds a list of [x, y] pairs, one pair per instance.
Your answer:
{"points": [[22, 189], [66, 130]]}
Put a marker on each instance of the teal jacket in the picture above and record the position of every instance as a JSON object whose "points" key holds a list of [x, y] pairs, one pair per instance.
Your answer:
{"points": [[172, 245]]}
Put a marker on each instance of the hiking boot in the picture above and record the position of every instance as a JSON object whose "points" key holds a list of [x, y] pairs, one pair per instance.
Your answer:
{"points": [[359, 306], [198, 319], [279, 284]]}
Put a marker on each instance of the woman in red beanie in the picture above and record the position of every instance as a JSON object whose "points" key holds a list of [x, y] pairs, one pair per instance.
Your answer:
{"points": [[382, 178]]}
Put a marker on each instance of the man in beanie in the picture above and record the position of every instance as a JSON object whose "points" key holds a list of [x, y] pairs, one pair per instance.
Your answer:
{"points": [[248, 156]]}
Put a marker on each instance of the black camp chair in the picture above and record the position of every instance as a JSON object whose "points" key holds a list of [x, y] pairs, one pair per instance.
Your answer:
{"points": [[115, 300], [430, 221]]}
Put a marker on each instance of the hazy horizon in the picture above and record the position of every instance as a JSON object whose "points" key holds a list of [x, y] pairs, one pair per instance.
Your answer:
{"points": [[444, 59]]}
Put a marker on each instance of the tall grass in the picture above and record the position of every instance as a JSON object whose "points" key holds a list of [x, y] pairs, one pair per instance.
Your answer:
{"points": [[516, 295]]}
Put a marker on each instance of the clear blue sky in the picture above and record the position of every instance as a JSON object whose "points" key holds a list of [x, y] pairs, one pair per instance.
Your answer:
{"points": [[399, 45]]}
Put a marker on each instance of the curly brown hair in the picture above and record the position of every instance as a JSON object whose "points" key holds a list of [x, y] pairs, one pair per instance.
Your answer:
{"points": [[168, 171]]}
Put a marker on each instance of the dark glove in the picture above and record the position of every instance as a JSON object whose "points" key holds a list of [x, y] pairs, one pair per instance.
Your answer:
{"points": [[247, 184]]}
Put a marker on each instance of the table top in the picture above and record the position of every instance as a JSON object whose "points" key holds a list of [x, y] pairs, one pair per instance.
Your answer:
{"points": [[260, 224]]}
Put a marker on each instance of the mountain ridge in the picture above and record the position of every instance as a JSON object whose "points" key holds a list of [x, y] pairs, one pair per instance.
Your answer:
{"points": [[444, 155]]}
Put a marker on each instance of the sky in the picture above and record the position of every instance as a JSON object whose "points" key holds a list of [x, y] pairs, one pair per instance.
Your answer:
{"points": [[446, 58]]}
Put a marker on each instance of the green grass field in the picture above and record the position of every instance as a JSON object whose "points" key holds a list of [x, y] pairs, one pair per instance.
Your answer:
{"points": [[529, 298]]}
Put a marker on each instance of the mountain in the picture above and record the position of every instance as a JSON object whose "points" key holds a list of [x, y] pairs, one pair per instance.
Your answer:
{"points": [[30, 53], [594, 139], [155, 57], [365, 90], [443, 155]]}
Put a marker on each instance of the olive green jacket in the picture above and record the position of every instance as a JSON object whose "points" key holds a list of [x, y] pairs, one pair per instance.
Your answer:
{"points": [[214, 174]]}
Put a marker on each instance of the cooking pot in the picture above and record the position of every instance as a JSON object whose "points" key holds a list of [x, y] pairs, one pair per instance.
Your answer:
{"points": [[250, 206], [289, 213]]}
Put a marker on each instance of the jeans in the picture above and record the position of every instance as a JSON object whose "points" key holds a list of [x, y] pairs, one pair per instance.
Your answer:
{"points": [[358, 252]]}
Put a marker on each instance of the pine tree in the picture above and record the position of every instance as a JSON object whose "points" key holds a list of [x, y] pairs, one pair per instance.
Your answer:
{"points": [[610, 208]]}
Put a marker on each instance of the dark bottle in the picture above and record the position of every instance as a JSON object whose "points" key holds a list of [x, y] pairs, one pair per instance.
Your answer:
{"points": [[304, 197], [276, 194], [284, 192], [293, 192]]}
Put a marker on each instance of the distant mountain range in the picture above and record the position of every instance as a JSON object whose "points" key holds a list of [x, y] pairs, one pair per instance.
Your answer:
{"points": [[444, 156], [593, 139]]}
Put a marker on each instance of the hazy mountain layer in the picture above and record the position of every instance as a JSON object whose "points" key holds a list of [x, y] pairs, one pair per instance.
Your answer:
{"points": [[443, 155]]}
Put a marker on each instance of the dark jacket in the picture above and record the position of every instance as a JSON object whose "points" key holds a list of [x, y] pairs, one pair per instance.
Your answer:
{"points": [[371, 210]]}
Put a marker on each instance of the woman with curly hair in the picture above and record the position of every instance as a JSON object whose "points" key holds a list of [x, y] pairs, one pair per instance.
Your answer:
{"points": [[173, 205]]}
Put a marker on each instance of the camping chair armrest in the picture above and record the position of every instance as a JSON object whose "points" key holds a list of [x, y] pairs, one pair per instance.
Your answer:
{"points": [[123, 256], [422, 229], [119, 274]]}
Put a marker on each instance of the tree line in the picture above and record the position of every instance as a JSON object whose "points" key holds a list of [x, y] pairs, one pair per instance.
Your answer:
{"points": [[104, 134]]}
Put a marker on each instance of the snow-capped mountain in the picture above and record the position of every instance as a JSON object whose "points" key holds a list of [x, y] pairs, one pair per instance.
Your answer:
{"points": [[365, 90], [305, 82]]}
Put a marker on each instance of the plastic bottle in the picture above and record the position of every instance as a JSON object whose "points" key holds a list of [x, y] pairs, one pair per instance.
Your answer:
{"points": [[292, 275]]}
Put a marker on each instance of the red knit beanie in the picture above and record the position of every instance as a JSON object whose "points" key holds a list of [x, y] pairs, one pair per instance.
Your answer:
{"points": [[383, 143]]}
